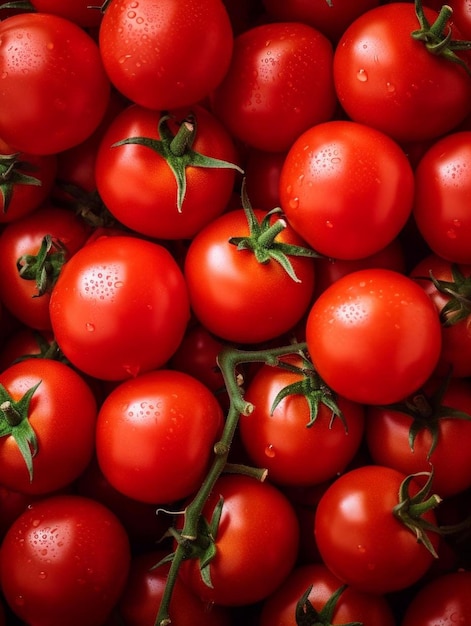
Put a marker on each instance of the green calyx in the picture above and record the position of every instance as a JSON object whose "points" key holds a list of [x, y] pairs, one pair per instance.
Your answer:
{"points": [[261, 239], [437, 36], [312, 387], [458, 290], [12, 173], [426, 412], [44, 268], [177, 151], [14, 421], [307, 615]]}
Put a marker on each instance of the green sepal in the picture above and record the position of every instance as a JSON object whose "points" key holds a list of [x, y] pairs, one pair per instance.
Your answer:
{"points": [[10, 176], [261, 240], [307, 615], [44, 267], [14, 421], [458, 290], [177, 151]]}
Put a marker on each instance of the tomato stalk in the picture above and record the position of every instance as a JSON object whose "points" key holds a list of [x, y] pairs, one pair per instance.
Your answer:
{"points": [[44, 268], [458, 290], [192, 532], [307, 615], [10, 175]]}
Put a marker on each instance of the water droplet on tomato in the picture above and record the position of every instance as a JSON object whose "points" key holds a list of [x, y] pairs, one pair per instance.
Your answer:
{"points": [[390, 88], [19, 600], [362, 75], [451, 233], [42, 575], [294, 203], [90, 327], [131, 370], [270, 451], [131, 14]]}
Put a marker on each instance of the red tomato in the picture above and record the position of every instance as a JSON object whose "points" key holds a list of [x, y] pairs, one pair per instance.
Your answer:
{"points": [[142, 595], [346, 188], [242, 299], [389, 80], [256, 543], [26, 181], [148, 422], [79, 11], [428, 418], [279, 84], [178, 194], [443, 185], [160, 56], [58, 65], [21, 246], [262, 176], [284, 441], [374, 336], [352, 605], [360, 539], [64, 561], [108, 318], [61, 413], [444, 600]]}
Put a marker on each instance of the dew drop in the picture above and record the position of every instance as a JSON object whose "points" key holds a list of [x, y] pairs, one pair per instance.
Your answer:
{"points": [[329, 224], [35, 523], [451, 233], [90, 327], [362, 76], [270, 451], [19, 600], [42, 575], [294, 203], [390, 88]]}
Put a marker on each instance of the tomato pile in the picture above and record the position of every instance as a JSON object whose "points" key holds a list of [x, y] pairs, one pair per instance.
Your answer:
{"points": [[235, 305]]}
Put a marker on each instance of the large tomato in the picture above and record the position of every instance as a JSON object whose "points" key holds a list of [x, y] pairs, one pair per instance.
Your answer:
{"points": [[346, 188], [443, 185], [256, 543], [361, 540], [54, 88], [387, 78], [121, 308], [168, 54], [279, 84], [56, 423], [155, 435], [64, 561], [243, 293], [374, 336], [295, 445], [163, 176]]}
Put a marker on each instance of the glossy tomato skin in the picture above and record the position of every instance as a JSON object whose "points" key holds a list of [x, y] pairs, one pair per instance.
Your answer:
{"points": [[359, 538], [374, 336], [352, 606], [279, 83], [64, 561], [121, 308], [256, 543], [444, 600], [155, 435], [78, 11], [240, 299], [282, 442], [24, 237], [121, 170], [443, 185], [58, 65], [62, 413], [142, 595], [166, 58], [346, 188], [386, 79], [387, 436]]}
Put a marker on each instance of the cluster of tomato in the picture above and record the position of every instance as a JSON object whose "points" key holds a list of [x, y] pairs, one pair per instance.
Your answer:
{"points": [[235, 292]]}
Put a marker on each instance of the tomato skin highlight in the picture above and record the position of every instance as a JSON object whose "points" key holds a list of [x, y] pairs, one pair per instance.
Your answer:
{"points": [[374, 336], [108, 318]]}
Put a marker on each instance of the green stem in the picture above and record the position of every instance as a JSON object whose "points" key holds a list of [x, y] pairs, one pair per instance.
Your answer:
{"points": [[12, 416], [183, 139]]}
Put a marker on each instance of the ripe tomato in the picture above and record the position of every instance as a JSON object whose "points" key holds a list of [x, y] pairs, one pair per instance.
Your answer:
{"points": [[242, 299], [444, 600], [389, 80], [64, 561], [346, 188], [160, 56], [295, 450], [28, 275], [155, 435], [351, 606], [360, 539], [58, 65], [256, 543], [61, 413], [262, 177], [108, 318], [443, 185], [178, 193], [279, 84], [374, 336], [142, 595], [79, 11]]}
